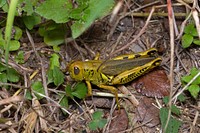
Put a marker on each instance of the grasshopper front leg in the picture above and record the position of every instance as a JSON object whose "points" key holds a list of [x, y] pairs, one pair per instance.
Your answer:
{"points": [[89, 88]]}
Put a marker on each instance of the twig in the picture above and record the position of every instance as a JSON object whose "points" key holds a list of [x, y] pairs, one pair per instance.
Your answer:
{"points": [[131, 97], [183, 26], [195, 120], [13, 85], [158, 14], [17, 67], [42, 66], [49, 99], [196, 20], [140, 33], [79, 50], [171, 75], [12, 99]]}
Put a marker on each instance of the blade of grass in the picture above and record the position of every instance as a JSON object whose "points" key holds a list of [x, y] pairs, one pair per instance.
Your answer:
{"points": [[9, 25]]}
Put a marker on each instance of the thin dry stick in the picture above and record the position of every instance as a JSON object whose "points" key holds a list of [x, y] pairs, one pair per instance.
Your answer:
{"points": [[42, 66], [49, 99], [140, 33], [195, 119], [129, 14], [196, 20], [183, 26], [171, 75]]}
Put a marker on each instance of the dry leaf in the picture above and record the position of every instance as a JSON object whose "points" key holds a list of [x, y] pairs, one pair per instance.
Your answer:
{"points": [[147, 113], [153, 84], [119, 122]]}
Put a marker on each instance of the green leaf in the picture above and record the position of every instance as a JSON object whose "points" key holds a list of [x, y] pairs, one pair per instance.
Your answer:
{"points": [[56, 48], [2, 67], [197, 42], [94, 10], [68, 91], [186, 40], [50, 76], [54, 61], [58, 76], [188, 28], [166, 100], [80, 90], [173, 124], [194, 90], [38, 87], [55, 75], [12, 75], [19, 58], [28, 95], [13, 45], [102, 123], [193, 72], [181, 98], [97, 121], [31, 21], [77, 13], [3, 78], [56, 10], [54, 37], [93, 125], [175, 110], [26, 6], [64, 101], [17, 33], [191, 30], [2, 3], [97, 115]]}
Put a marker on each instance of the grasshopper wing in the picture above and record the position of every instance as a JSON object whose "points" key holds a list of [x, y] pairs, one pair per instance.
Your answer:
{"points": [[115, 67]]}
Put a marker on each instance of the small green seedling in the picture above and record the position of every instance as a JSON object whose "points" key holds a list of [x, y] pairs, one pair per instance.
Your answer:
{"points": [[194, 87], [79, 91], [190, 36], [97, 121], [173, 124]]}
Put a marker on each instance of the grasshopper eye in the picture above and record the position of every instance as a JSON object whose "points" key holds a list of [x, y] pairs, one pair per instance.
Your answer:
{"points": [[76, 70]]}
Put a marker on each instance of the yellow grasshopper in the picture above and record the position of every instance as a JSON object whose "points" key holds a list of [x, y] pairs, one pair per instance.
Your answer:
{"points": [[119, 70]]}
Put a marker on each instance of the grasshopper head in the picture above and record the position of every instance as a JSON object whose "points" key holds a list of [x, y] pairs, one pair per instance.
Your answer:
{"points": [[76, 70]]}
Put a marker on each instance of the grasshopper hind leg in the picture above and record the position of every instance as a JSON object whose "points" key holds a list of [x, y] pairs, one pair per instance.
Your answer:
{"points": [[113, 90]]}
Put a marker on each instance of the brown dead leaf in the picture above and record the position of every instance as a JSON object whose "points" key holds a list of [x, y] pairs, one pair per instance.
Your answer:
{"points": [[119, 122], [30, 122], [153, 84], [147, 113]]}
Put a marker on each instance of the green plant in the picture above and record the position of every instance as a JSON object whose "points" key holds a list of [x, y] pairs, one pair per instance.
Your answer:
{"points": [[10, 76], [14, 43], [79, 91], [54, 74], [194, 87], [173, 124], [57, 14], [190, 36], [97, 121]]}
